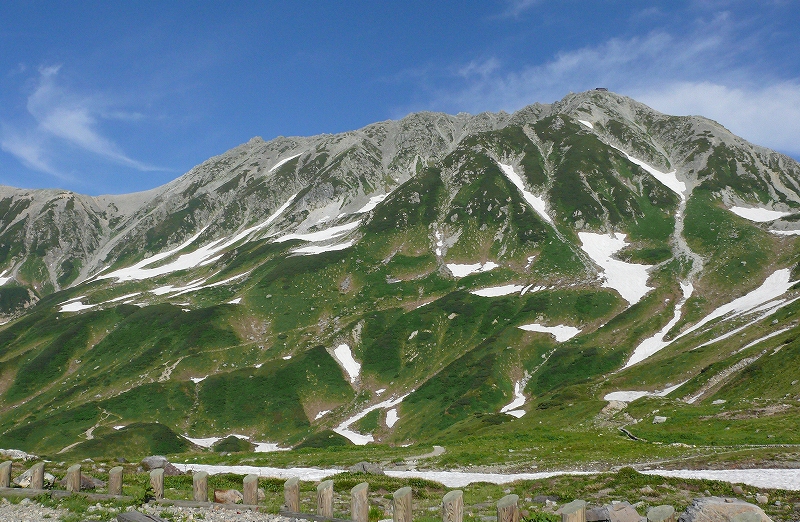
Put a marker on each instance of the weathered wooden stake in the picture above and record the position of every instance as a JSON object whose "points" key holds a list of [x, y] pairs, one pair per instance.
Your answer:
{"points": [[291, 494], [453, 506], [74, 478], [250, 490], [401, 505], [5, 474], [200, 486], [115, 481], [661, 514], [359, 503], [325, 499], [157, 481], [507, 509], [575, 511], [37, 476]]}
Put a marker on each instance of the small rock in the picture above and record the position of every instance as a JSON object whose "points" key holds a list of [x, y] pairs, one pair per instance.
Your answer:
{"points": [[647, 490], [737, 490], [227, 496], [542, 499], [658, 419], [762, 498], [366, 467]]}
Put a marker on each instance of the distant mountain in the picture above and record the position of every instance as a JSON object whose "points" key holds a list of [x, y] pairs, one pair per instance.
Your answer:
{"points": [[430, 277]]}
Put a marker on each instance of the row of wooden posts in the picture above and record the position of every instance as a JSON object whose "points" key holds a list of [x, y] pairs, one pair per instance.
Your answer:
{"points": [[452, 502]]}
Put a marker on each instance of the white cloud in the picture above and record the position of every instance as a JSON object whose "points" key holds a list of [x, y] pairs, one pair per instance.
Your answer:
{"points": [[61, 116], [706, 72]]}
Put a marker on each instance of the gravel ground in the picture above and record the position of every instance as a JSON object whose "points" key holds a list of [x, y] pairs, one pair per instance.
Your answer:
{"points": [[30, 511]]}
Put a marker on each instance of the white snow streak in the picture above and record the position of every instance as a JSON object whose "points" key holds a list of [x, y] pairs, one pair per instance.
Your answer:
{"points": [[3, 279], [560, 332], [391, 418], [322, 235], [630, 396], [513, 407], [537, 203], [76, 306], [344, 357], [198, 379], [322, 414], [465, 270], [373, 202], [773, 287], [768, 336], [786, 232], [319, 249], [587, 123], [235, 301], [281, 162], [657, 343], [629, 279], [497, 291], [668, 179], [758, 215], [357, 438]]}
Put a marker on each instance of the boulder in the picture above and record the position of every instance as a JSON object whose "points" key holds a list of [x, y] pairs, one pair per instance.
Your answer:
{"points": [[542, 499], [160, 462], [24, 480], [366, 467], [597, 514], [737, 490], [717, 509], [623, 512], [228, 496]]}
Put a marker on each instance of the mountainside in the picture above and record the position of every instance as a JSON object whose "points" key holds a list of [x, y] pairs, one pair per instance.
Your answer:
{"points": [[586, 264]]}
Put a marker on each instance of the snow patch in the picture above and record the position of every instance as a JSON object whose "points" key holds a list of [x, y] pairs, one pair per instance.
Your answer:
{"points": [[235, 301], [373, 202], [75, 306], [560, 332], [4, 279], [319, 249], [322, 414], [198, 379], [322, 235], [629, 279], [267, 447], [657, 343], [513, 407], [465, 270], [281, 162], [668, 179], [497, 291], [391, 418], [630, 396], [344, 357], [587, 123], [786, 232], [758, 215], [357, 438], [537, 203], [439, 244]]}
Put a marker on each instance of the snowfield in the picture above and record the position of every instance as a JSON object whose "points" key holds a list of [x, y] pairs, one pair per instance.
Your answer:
{"points": [[498, 291], [344, 357], [668, 179], [788, 479], [467, 269], [758, 215], [629, 279], [359, 439], [3, 278], [560, 332], [630, 396]]}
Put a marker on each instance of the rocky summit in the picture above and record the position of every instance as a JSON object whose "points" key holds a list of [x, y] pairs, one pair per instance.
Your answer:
{"points": [[541, 278]]}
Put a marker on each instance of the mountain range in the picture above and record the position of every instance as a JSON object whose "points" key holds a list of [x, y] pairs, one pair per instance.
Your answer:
{"points": [[590, 263]]}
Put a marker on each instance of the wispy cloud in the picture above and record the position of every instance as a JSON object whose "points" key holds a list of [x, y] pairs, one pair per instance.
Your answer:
{"points": [[514, 8], [707, 71], [61, 117]]}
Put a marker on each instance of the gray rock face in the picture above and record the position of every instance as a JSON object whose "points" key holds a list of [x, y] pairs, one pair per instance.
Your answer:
{"points": [[366, 467], [717, 509]]}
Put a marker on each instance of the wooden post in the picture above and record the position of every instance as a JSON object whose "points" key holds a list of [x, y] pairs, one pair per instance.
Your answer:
{"points": [[115, 481], [507, 509], [661, 514], [401, 505], [453, 506], [325, 499], [250, 490], [575, 511], [157, 481], [74, 478], [359, 503], [5, 474], [200, 486], [291, 494], [37, 476]]}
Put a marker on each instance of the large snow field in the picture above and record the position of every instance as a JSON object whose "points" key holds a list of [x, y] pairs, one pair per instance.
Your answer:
{"points": [[281, 162], [260, 447], [758, 215], [657, 343], [463, 270], [788, 479], [537, 203], [560, 332], [630, 396], [344, 357], [629, 279], [75, 306], [373, 202], [322, 235]]}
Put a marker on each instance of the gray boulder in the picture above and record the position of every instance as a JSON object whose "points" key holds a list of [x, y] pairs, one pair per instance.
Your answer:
{"points": [[623, 512], [24, 480], [228, 496], [366, 467], [160, 462], [717, 509]]}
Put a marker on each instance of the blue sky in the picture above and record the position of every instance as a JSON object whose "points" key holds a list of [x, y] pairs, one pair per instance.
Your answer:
{"points": [[115, 97]]}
